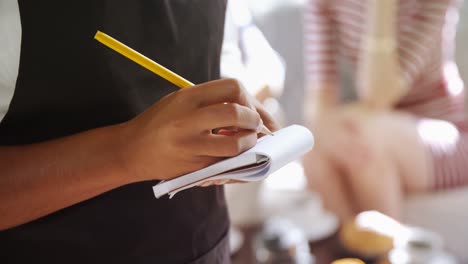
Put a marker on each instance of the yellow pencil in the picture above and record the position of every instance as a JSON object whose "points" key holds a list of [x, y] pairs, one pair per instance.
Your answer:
{"points": [[142, 60], [147, 63]]}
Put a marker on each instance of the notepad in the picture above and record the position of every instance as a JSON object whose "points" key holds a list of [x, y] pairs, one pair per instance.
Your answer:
{"points": [[269, 154]]}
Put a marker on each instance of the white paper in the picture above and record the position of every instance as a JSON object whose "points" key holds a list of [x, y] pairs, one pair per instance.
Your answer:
{"points": [[268, 155]]}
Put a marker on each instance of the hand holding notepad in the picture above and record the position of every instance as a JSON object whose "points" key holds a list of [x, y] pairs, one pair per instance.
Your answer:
{"points": [[270, 154]]}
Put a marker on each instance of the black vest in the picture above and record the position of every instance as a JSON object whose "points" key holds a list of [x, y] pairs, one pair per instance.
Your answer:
{"points": [[68, 83]]}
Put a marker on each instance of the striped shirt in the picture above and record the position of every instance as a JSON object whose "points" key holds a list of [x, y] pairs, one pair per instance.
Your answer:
{"points": [[426, 31]]}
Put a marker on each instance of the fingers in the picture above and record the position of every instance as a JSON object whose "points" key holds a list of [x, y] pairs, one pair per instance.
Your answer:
{"points": [[219, 91], [225, 145], [222, 104], [214, 182], [268, 120], [219, 182], [347, 142], [227, 115], [228, 91]]}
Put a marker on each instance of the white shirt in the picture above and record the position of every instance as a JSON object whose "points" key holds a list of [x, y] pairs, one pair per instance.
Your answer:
{"points": [[10, 47]]}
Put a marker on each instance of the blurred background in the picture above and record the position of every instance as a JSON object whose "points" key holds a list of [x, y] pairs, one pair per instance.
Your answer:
{"points": [[257, 209]]}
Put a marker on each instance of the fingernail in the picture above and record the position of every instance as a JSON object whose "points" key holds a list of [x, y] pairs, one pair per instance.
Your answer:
{"points": [[264, 130]]}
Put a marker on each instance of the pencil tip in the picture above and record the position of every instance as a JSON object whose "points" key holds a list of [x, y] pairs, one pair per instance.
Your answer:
{"points": [[266, 131]]}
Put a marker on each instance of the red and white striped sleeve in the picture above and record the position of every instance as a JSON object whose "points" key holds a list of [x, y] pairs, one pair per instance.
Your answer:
{"points": [[320, 45], [420, 39], [449, 157]]}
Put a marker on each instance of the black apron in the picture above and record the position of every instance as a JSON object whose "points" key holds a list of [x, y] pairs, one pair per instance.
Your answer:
{"points": [[68, 83]]}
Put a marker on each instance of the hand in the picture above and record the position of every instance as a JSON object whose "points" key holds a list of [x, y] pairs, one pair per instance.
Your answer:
{"points": [[174, 136], [219, 182], [342, 155], [268, 121], [358, 134], [343, 134], [390, 138], [376, 157]]}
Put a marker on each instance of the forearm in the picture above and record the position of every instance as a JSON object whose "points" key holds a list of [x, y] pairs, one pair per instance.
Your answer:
{"points": [[383, 19], [326, 95], [319, 97], [321, 51], [380, 77], [42, 178]]}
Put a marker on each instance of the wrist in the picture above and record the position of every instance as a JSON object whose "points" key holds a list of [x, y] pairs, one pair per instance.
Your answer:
{"points": [[318, 107], [324, 100], [386, 97], [384, 45], [119, 153], [320, 98]]}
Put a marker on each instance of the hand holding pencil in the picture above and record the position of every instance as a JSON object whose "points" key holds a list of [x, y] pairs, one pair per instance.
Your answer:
{"points": [[161, 70], [175, 135]]}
